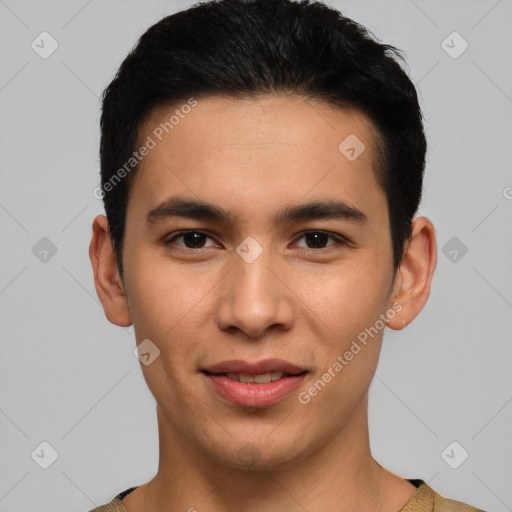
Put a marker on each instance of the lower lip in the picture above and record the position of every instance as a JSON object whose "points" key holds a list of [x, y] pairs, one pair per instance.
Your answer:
{"points": [[252, 394]]}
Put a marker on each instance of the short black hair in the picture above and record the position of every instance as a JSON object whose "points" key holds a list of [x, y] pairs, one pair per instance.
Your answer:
{"points": [[245, 49]]}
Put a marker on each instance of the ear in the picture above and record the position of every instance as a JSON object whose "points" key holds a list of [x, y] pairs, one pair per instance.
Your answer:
{"points": [[109, 286], [415, 273]]}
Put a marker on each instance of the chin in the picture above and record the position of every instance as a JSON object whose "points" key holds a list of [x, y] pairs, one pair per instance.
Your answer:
{"points": [[262, 455]]}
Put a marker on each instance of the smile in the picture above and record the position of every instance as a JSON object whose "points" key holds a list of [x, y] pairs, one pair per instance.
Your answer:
{"points": [[253, 385], [261, 378]]}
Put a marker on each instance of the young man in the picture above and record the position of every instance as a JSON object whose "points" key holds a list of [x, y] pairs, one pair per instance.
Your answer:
{"points": [[261, 166]]}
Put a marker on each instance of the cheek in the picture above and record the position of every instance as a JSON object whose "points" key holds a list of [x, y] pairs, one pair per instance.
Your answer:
{"points": [[160, 294], [171, 306], [342, 300]]}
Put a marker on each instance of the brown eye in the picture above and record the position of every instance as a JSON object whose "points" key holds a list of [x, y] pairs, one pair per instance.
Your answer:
{"points": [[191, 239], [319, 239]]}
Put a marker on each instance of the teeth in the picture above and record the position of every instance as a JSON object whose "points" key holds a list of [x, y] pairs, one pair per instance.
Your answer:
{"points": [[262, 378]]}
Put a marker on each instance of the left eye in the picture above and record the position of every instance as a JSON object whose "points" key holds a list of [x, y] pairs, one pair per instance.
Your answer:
{"points": [[318, 239], [191, 239]]}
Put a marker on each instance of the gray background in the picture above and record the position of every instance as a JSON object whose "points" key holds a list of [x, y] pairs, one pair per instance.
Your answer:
{"points": [[69, 377]]}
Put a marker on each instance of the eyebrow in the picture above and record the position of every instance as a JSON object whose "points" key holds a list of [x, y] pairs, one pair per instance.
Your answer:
{"points": [[201, 210]]}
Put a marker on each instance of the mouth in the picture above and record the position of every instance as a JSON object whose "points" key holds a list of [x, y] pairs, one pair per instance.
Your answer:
{"points": [[258, 378], [254, 385]]}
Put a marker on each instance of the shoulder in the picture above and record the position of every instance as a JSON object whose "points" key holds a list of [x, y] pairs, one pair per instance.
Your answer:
{"points": [[442, 504], [428, 500], [116, 505]]}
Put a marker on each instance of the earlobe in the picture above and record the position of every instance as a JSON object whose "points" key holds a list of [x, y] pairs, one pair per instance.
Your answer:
{"points": [[415, 273], [108, 283]]}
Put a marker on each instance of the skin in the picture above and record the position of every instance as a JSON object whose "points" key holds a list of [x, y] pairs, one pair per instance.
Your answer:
{"points": [[254, 157]]}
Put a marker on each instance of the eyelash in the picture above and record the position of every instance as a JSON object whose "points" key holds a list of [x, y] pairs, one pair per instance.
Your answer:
{"points": [[339, 240]]}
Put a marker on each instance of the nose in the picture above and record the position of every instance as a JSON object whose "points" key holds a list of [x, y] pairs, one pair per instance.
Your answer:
{"points": [[255, 298]]}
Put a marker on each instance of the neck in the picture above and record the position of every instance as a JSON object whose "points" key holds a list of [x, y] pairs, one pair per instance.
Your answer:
{"points": [[341, 476]]}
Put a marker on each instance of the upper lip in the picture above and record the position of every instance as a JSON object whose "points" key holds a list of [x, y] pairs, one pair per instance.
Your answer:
{"points": [[258, 367]]}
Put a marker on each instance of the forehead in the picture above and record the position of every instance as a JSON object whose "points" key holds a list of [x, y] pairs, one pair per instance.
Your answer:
{"points": [[244, 152], [271, 119]]}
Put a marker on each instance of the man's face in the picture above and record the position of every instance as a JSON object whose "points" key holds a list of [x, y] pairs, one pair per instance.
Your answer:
{"points": [[254, 287]]}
